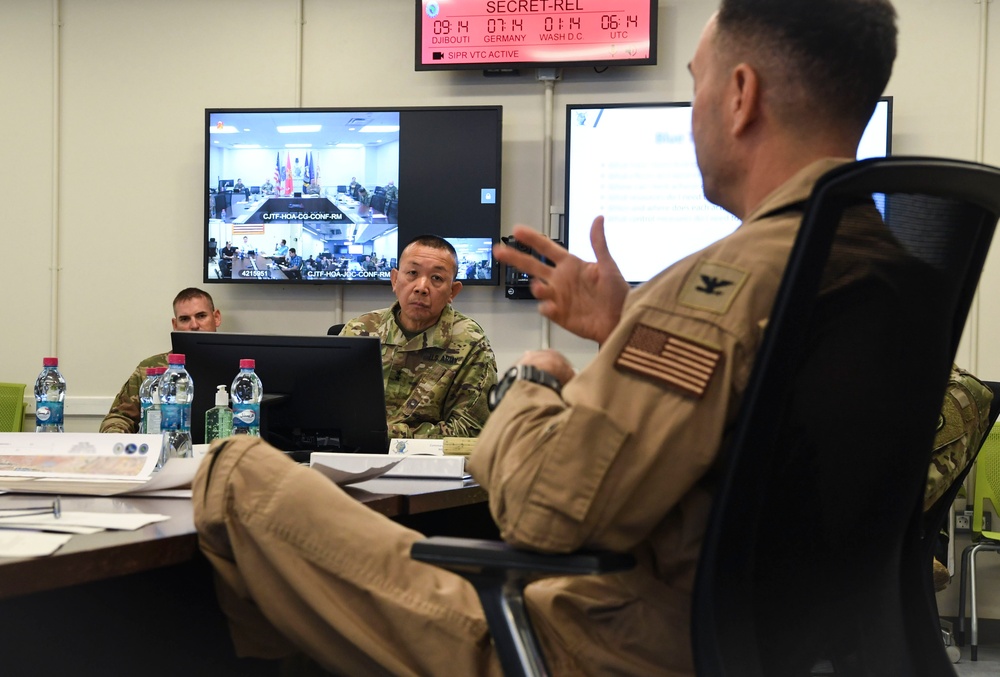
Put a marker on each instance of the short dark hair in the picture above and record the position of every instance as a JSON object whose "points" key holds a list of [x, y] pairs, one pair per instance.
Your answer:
{"points": [[193, 293], [839, 53], [434, 242]]}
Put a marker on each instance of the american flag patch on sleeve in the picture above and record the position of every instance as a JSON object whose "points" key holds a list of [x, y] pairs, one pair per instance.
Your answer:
{"points": [[670, 359]]}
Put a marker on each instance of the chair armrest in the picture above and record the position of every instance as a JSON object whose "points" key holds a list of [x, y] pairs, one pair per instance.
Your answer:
{"points": [[499, 573], [477, 554]]}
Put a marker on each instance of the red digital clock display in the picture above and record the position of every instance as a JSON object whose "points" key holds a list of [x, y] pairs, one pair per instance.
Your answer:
{"points": [[459, 34]]}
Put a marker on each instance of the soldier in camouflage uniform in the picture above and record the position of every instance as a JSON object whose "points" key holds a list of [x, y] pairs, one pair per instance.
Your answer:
{"points": [[194, 310], [961, 428], [391, 194], [437, 363], [962, 425]]}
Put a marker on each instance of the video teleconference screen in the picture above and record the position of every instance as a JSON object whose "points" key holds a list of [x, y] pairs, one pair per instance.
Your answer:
{"points": [[328, 196]]}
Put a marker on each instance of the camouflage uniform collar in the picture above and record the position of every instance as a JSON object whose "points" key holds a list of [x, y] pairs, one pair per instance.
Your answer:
{"points": [[436, 336]]}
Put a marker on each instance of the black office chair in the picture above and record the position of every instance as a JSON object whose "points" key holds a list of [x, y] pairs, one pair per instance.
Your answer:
{"points": [[813, 547], [334, 330]]}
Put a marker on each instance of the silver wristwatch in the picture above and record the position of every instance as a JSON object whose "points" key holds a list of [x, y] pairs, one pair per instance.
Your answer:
{"points": [[525, 372]]}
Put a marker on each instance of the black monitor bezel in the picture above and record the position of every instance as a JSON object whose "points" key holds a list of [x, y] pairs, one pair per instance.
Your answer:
{"points": [[341, 372]]}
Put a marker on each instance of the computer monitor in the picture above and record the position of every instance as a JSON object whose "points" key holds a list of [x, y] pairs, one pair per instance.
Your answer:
{"points": [[321, 393], [445, 160]]}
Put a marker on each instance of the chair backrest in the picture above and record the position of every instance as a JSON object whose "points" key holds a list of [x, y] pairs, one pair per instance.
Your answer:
{"points": [[814, 535], [334, 329], [987, 486], [11, 407]]}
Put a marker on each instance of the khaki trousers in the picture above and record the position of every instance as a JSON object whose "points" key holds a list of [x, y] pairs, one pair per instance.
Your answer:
{"points": [[300, 565]]}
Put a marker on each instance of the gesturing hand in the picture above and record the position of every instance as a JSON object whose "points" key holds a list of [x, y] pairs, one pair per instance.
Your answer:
{"points": [[584, 298]]}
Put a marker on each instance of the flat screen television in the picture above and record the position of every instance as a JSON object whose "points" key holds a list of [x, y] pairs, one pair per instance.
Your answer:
{"points": [[346, 188], [513, 34], [635, 164], [321, 393]]}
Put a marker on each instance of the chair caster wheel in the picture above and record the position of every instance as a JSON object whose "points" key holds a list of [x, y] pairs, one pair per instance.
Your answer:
{"points": [[954, 654]]}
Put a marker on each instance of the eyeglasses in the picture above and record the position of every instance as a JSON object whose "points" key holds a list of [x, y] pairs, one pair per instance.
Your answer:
{"points": [[55, 509]]}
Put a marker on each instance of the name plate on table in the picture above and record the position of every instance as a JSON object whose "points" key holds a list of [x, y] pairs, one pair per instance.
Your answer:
{"points": [[447, 446]]}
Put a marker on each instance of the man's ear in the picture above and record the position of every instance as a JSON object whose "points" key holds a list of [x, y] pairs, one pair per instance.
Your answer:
{"points": [[173, 323], [393, 274], [218, 317], [456, 288], [745, 99]]}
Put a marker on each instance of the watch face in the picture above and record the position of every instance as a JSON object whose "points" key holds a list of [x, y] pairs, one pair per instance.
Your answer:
{"points": [[493, 399], [521, 371], [497, 392]]}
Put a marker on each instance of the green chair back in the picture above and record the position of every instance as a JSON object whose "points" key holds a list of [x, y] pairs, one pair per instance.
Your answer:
{"points": [[987, 485], [11, 407]]}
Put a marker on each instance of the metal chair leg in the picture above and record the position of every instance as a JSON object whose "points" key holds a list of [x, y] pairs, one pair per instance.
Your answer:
{"points": [[963, 585], [974, 624]]}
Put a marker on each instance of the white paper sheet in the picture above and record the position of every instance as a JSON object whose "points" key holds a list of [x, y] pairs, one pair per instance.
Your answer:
{"points": [[365, 470], [97, 521], [390, 465], [30, 543]]}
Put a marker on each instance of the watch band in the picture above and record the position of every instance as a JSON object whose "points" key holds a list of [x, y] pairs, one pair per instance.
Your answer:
{"points": [[521, 372]]}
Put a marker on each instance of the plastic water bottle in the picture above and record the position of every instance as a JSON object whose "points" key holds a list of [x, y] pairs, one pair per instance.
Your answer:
{"points": [[146, 397], [150, 423], [219, 419], [247, 392], [50, 391], [176, 394]]}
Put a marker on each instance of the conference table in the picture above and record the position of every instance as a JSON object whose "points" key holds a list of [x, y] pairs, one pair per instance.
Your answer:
{"points": [[142, 602], [308, 208]]}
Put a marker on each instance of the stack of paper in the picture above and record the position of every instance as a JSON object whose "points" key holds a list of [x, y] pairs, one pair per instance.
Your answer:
{"points": [[88, 463]]}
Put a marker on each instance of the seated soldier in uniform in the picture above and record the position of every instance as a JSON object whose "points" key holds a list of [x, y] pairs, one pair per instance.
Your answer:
{"points": [[962, 426], [437, 363], [194, 310]]}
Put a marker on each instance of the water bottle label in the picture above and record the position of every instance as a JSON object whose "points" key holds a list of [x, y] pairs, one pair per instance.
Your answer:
{"points": [[170, 417], [175, 417], [246, 415], [151, 420], [49, 413]]}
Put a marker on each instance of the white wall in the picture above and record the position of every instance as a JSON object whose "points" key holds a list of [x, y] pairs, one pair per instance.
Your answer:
{"points": [[103, 165]]}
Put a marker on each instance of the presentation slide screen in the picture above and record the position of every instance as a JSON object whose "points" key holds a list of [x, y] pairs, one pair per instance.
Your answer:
{"points": [[635, 164], [329, 196]]}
